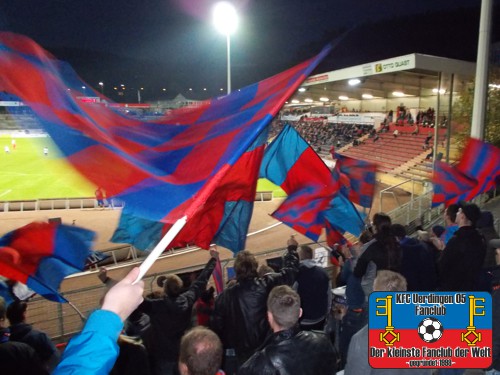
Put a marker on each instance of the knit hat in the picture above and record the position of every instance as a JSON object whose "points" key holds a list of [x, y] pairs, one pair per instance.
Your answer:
{"points": [[438, 230], [471, 211]]}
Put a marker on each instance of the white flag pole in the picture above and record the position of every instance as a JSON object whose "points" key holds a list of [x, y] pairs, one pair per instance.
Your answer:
{"points": [[160, 247]]}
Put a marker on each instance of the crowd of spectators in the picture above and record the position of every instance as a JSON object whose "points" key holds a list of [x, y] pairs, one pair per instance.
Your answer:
{"points": [[322, 135], [267, 321]]}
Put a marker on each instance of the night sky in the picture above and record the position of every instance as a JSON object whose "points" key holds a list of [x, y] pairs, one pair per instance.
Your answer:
{"points": [[168, 44]]}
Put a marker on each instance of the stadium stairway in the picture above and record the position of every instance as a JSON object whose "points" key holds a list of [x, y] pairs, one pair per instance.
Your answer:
{"points": [[388, 152]]}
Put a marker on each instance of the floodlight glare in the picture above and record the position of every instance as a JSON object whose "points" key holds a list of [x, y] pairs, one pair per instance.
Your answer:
{"points": [[295, 101], [367, 96], [441, 91], [302, 89], [225, 18], [324, 99], [308, 100], [354, 82], [343, 97], [398, 94]]}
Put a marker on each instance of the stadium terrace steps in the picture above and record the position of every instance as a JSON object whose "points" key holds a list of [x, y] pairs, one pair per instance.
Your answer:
{"points": [[389, 152]]}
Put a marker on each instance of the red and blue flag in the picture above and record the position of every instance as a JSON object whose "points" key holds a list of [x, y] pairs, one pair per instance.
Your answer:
{"points": [[41, 255], [292, 164], [480, 161], [218, 277], [162, 170], [450, 185], [224, 219], [357, 179], [474, 174]]}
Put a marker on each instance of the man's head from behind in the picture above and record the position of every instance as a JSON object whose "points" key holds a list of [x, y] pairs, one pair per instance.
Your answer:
{"points": [[389, 281], [283, 308], [200, 352], [468, 214], [305, 252], [381, 220], [450, 214], [399, 231], [16, 312], [172, 285], [245, 265]]}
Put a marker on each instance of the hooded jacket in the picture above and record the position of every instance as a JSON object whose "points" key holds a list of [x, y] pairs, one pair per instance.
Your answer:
{"points": [[462, 260]]}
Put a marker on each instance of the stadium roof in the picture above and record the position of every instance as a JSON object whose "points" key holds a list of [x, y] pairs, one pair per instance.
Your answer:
{"points": [[414, 74]]}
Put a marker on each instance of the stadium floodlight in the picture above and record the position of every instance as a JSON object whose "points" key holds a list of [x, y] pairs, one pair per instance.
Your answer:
{"points": [[324, 99], [367, 96], [308, 100], [302, 89], [399, 94], [226, 21], [354, 82], [343, 97], [436, 90]]}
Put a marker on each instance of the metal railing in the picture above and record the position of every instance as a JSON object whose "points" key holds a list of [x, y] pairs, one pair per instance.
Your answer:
{"points": [[81, 203], [61, 321]]}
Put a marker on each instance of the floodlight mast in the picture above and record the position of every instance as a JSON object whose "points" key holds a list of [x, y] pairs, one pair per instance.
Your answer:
{"points": [[226, 21]]}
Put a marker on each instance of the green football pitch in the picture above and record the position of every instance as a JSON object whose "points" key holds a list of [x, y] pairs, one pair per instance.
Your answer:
{"points": [[26, 173]]}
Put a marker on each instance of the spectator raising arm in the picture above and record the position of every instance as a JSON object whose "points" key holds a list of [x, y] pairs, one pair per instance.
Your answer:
{"points": [[95, 349]]}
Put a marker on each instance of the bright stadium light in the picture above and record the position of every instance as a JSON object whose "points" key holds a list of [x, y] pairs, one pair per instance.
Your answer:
{"points": [[302, 89], [436, 90], [367, 96], [324, 99], [295, 101], [343, 97], [308, 100], [354, 82], [226, 21]]}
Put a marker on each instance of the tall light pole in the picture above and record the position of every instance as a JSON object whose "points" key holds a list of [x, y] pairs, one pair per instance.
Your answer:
{"points": [[226, 21]]}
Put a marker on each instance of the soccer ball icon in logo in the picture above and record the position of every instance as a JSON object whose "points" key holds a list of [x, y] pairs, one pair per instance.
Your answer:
{"points": [[430, 329]]}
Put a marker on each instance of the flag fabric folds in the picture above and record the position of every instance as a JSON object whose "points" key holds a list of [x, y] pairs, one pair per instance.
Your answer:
{"points": [[480, 161], [344, 216], [292, 164], [41, 255], [218, 277], [449, 184], [357, 179], [185, 155], [223, 220], [315, 197], [474, 174], [164, 170]]}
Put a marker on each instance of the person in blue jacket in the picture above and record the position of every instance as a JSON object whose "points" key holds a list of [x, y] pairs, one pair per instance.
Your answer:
{"points": [[95, 349]]}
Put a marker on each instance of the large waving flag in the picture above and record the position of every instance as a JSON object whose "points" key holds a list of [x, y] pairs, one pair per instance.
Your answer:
{"points": [[41, 255], [357, 179], [450, 185], [224, 219], [480, 161], [474, 174], [292, 164], [163, 170]]}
